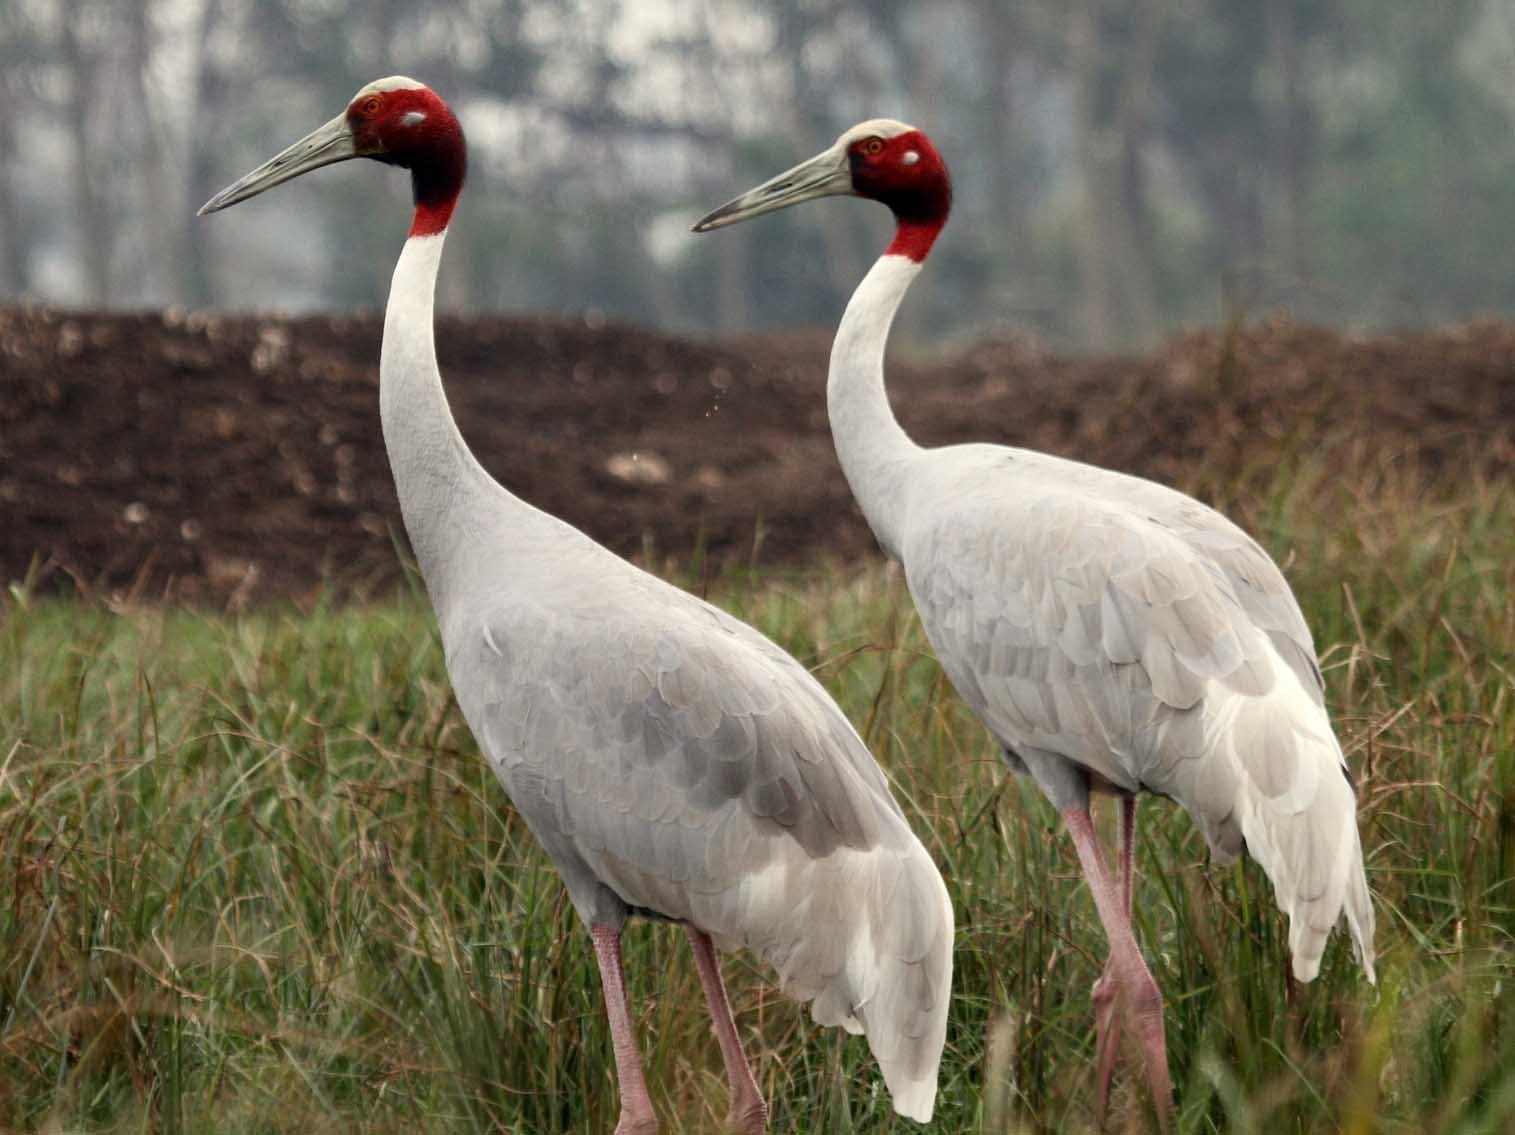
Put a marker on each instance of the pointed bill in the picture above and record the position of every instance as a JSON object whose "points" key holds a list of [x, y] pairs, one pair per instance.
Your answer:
{"points": [[828, 174], [321, 147]]}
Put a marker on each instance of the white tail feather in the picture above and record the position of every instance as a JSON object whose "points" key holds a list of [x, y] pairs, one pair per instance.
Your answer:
{"points": [[866, 936], [906, 979], [1298, 815]]}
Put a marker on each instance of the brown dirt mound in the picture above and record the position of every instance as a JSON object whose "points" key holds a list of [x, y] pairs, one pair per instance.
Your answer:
{"points": [[208, 456]]}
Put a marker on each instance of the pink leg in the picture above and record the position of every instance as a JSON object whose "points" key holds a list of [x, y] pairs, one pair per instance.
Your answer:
{"points": [[1135, 987], [637, 1117], [749, 1114], [1127, 849], [1107, 1020]]}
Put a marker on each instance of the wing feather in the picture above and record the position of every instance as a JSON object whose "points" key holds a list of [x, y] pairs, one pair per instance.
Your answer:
{"points": [[609, 729], [672, 760], [1067, 621], [1100, 622]]}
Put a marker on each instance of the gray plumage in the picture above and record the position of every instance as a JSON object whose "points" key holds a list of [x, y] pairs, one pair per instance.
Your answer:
{"points": [[675, 762], [1112, 633], [1105, 624], [671, 760]]}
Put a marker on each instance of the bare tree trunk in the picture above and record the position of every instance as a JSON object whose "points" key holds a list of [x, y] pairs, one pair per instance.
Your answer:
{"points": [[1133, 124], [1097, 317], [1001, 27], [94, 220], [148, 260], [13, 250], [1116, 304], [1290, 136], [732, 308], [193, 282], [13, 245]]}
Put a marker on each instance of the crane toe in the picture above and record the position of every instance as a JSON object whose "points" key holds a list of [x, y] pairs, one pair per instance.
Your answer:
{"points": [[1144, 1002], [1107, 1022]]}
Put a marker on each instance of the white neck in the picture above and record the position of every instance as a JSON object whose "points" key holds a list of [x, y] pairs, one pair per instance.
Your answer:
{"points": [[443, 489], [874, 451]]}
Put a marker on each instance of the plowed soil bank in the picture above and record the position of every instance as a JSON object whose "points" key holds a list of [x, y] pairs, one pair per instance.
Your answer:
{"points": [[218, 458]]}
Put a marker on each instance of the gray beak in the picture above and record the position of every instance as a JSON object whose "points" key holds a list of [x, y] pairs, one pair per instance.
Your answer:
{"points": [[828, 174], [321, 147]]}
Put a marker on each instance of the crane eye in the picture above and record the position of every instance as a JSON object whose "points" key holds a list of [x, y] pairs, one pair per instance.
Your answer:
{"points": [[873, 147], [371, 105]]}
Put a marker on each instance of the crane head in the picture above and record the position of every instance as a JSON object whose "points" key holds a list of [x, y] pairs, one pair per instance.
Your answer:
{"points": [[395, 120], [881, 159]]}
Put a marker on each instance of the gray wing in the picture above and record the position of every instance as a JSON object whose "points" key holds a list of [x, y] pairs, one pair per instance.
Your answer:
{"points": [[1077, 627], [656, 745], [672, 761], [1109, 624], [1255, 580]]}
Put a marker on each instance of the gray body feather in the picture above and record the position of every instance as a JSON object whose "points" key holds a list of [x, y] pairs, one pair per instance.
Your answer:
{"points": [[1116, 634], [671, 760], [1112, 634], [675, 763]]}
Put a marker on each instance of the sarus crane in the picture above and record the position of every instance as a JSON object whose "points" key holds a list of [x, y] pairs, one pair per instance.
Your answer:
{"points": [[1114, 635], [673, 762]]}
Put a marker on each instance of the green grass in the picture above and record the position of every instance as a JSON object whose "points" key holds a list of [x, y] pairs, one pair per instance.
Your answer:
{"points": [[254, 876]]}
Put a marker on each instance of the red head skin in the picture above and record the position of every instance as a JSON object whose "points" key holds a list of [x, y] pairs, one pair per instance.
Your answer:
{"points": [[385, 127], [917, 190]]}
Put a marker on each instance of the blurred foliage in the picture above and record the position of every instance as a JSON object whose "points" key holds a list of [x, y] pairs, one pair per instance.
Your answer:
{"points": [[1122, 167]]}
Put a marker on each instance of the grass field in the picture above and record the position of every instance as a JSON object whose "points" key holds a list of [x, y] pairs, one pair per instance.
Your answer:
{"points": [[254, 876]]}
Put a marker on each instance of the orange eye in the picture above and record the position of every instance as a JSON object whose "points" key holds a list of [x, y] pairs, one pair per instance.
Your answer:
{"points": [[873, 147], [371, 105]]}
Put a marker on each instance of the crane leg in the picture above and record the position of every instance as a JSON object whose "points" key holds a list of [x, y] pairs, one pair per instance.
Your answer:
{"points": [[749, 1114], [1135, 989], [1105, 995], [637, 1117]]}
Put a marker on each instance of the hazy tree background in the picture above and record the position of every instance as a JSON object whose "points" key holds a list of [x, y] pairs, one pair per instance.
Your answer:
{"points": [[1122, 167]]}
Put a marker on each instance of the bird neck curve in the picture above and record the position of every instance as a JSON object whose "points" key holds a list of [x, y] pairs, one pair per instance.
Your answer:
{"points": [[874, 451], [436, 185], [441, 486], [913, 237], [433, 207]]}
